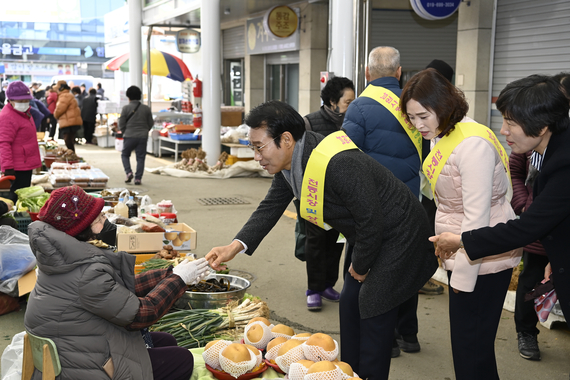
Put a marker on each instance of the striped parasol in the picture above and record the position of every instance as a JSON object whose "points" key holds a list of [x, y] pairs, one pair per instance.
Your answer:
{"points": [[161, 64]]}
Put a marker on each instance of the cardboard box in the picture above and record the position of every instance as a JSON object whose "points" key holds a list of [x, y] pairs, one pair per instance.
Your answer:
{"points": [[27, 282], [232, 116], [179, 235]]}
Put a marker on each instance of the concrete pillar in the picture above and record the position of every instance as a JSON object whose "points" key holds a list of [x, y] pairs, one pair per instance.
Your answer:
{"points": [[211, 82], [313, 55], [135, 37], [474, 34], [342, 43], [254, 81]]}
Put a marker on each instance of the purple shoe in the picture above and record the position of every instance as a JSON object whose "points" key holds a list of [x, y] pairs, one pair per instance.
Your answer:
{"points": [[330, 294], [314, 302]]}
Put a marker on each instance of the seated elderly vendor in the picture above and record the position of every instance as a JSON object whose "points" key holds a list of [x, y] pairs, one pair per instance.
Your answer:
{"points": [[90, 303], [341, 187]]}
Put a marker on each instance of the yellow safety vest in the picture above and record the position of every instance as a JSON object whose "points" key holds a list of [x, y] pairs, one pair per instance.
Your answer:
{"points": [[313, 188], [392, 103], [440, 153]]}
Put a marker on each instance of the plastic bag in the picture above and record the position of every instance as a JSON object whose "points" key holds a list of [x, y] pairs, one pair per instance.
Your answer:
{"points": [[16, 258], [13, 357], [146, 203]]}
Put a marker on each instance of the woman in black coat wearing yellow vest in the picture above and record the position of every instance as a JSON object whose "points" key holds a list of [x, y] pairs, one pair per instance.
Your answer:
{"points": [[535, 117], [375, 211]]}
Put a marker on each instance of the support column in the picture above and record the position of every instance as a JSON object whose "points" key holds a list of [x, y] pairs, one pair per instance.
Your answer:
{"points": [[135, 38], [474, 34], [254, 81], [342, 43], [312, 56], [211, 82]]}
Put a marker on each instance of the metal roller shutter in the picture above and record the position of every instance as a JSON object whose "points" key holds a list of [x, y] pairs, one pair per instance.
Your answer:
{"points": [[419, 41], [234, 42], [531, 37]]}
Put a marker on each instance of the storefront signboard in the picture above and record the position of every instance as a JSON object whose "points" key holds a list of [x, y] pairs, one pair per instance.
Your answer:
{"points": [[281, 21], [434, 9], [188, 41], [260, 41]]}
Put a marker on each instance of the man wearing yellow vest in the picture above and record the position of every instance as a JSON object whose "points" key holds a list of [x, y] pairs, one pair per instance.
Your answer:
{"points": [[376, 125], [341, 187]]}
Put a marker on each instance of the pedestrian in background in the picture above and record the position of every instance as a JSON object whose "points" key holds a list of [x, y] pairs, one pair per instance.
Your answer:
{"points": [[68, 115], [3, 93], [100, 91], [19, 151], [89, 115], [134, 123], [322, 252], [52, 102]]}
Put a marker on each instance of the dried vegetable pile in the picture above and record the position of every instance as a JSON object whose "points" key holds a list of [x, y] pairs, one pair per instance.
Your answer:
{"points": [[195, 160]]}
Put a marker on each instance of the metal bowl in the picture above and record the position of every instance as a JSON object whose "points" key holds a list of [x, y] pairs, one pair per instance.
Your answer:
{"points": [[203, 300]]}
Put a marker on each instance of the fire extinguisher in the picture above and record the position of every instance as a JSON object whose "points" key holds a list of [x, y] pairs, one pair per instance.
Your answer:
{"points": [[197, 117], [197, 89]]}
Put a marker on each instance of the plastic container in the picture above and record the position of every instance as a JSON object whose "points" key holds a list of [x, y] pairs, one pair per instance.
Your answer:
{"points": [[121, 208], [164, 206], [168, 217], [183, 136], [132, 207]]}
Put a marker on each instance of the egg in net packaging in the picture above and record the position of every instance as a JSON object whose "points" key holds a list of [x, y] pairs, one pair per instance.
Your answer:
{"points": [[317, 353], [237, 369], [267, 335], [335, 374], [271, 354], [212, 354], [297, 371], [293, 355]]}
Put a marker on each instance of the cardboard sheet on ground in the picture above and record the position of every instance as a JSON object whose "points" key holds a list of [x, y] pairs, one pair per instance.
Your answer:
{"points": [[239, 169], [201, 373]]}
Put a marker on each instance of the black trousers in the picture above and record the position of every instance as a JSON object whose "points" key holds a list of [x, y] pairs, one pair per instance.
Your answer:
{"points": [[52, 126], [88, 129], [474, 319], [532, 273], [139, 146], [322, 255], [23, 179], [366, 344]]}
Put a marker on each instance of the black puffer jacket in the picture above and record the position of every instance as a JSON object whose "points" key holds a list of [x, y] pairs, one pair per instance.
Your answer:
{"points": [[322, 123]]}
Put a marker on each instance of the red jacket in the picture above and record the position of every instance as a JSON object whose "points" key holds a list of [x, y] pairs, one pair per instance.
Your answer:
{"points": [[52, 101], [18, 140], [522, 194]]}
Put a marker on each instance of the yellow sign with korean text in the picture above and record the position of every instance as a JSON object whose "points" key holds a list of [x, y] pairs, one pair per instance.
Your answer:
{"points": [[281, 21], [313, 188], [441, 152]]}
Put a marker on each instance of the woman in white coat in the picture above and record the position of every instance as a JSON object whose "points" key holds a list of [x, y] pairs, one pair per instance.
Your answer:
{"points": [[467, 169]]}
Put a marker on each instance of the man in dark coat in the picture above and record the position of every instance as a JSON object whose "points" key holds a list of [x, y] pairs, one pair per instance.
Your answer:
{"points": [[535, 117], [363, 200], [89, 115]]}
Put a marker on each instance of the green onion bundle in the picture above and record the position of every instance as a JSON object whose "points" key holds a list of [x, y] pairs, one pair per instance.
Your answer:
{"points": [[195, 328]]}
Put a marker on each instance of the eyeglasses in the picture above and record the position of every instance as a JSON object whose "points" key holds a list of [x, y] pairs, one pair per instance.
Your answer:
{"points": [[257, 149]]}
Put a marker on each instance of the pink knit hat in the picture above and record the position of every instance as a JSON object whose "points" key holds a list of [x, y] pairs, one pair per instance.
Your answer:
{"points": [[18, 91]]}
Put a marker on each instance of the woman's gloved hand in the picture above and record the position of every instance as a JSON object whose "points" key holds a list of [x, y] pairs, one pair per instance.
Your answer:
{"points": [[192, 272]]}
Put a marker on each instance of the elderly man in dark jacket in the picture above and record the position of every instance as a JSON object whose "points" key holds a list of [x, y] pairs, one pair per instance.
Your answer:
{"points": [[135, 122], [363, 200]]}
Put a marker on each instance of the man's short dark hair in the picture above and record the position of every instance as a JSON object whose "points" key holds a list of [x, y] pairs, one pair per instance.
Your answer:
{"points": [[76, 90], [533, 103], [134, 93], [564, 80], [334, 90], [92, 91], [278, 117]]}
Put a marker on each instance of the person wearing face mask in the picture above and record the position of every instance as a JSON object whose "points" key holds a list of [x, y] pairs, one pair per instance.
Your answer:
{"points": [[468, 172], [322, 252], [88, 300], [19, 151]]}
